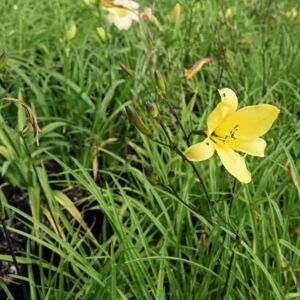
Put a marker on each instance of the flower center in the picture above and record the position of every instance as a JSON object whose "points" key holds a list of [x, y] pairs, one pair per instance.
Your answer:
{"points": [[228, 138], [121, 12]]}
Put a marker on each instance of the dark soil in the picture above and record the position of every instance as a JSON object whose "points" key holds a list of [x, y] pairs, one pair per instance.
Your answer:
{"points": [[12, 243]]}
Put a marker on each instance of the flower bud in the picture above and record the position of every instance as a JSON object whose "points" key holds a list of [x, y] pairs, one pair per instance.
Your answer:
{"points": [[156, 23], [148, 170], [102, 34], [176, 12], [147, 15], [71, 33], [203, 239], [137, 102], [160, 81], [188, 74], [152, 109], [136, 120], [125, 69], [3, 58]]}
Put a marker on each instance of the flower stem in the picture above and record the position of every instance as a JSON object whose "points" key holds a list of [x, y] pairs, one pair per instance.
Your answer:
{"points": [[175, 148], [175, 114], [173, 192], [232, 194], [196, 132]]}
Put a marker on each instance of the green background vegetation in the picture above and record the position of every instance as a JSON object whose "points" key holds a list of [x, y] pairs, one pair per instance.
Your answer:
{"points": [[146, 243]]}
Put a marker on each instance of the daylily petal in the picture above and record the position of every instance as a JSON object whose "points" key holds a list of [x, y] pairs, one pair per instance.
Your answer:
{"points": [[221, 111], [255, 147], [234, 163], [106, 4], [229, 96], [127, 3], [122, 23], [249, 122], [200, 151]]}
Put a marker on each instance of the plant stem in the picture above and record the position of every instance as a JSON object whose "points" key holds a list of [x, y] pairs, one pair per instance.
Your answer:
{"points": [[196, 132], [232, 194], [174, 113], [174, 147], [173, 192]]}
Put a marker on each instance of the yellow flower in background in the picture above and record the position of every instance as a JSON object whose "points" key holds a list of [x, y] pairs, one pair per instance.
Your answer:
{"points": [[188, 74], [230, 130], [121, 12], [292, 14]]}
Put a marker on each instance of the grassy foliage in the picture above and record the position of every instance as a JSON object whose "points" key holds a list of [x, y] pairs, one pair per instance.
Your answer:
{"points": [[99, 228]]}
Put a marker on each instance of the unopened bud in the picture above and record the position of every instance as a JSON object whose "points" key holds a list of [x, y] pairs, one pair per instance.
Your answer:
{"points": [[188, 74], [160, 81], [102, 34], [151, 175], [147, 15], [203, 239], [137, 102], [3, 58], [136, 120], [71, 33], [152, 109], [156, 23], [148, 170], [125, 69], [176, 12]]}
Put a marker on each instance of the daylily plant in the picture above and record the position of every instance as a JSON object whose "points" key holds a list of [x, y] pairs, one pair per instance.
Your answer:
{"points": [[121, 12], [230, 130]]}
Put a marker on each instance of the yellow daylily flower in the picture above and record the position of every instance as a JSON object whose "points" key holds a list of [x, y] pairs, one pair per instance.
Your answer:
{"points": [[230, 130], [121, 12]]}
